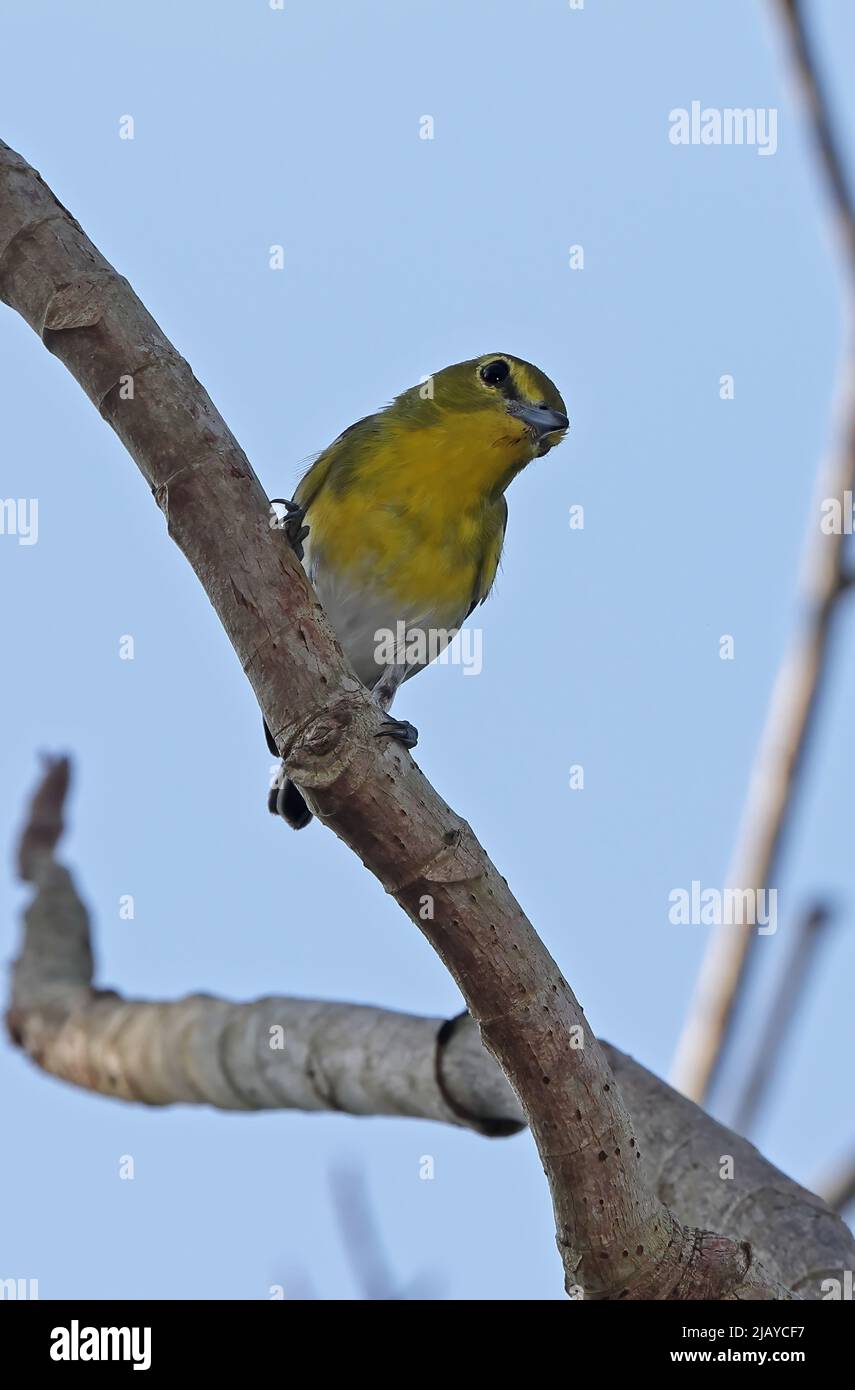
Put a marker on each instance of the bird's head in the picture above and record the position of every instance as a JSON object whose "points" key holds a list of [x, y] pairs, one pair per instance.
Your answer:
{"points": [[497, 411]]}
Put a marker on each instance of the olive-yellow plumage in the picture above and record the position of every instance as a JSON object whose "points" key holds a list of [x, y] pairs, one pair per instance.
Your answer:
{"points": [[406, 512]]}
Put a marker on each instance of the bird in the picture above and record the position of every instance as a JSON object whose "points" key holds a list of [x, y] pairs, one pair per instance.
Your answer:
{"points": [[401, 521]]}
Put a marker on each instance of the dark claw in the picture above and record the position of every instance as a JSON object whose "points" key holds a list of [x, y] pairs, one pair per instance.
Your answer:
{"points": [[269, 737], [399, 729], [292, 526]]}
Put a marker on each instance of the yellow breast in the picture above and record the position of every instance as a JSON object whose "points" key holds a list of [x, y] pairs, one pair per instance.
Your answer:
{"points": [[417, 516]]}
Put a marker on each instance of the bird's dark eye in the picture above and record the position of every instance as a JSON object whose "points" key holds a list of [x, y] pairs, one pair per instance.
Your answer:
{"points": [[494, 373]]}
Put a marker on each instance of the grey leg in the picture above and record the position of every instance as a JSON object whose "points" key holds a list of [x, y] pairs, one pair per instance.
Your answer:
{"points": [[384, 693]]}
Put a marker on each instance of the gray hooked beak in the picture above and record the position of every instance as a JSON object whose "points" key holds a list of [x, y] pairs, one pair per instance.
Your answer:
{"points": [[541, 419]]}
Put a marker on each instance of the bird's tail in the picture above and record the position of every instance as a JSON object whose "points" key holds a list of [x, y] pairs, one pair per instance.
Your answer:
{"points": [[285, 799]]}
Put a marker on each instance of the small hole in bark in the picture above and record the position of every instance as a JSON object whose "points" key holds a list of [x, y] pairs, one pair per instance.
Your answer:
{"points": [[578, 1114], [602, 1155], [546, 1080]]}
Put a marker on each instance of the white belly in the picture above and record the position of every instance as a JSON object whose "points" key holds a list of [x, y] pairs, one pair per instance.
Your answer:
{"points": [[369, 624]]}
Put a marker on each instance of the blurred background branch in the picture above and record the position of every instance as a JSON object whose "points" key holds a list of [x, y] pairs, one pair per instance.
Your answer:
{"points": [[363, 1243], [791, 717], [790, 993], [837, 1187]]}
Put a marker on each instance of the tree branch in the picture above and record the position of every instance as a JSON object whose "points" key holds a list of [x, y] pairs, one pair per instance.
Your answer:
{"points": [[271, 1054], [615, 1237], [368, 1061], [795, 698]]}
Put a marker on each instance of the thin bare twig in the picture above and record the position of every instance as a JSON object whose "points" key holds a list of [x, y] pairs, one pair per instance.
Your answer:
{"points": [[838, 1186], [790, 992], [44, 823], [363, 1243], [792, 711]]}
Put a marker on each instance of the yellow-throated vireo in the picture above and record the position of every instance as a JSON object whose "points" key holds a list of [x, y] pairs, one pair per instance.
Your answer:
{"points": [[400, 522]]}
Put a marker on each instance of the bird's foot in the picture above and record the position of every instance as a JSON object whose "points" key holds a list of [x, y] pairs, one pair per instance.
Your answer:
{"points": [[292, 524], [399, 729]]}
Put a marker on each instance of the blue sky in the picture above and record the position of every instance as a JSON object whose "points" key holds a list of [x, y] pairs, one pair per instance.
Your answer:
{"points": [[300, 128]]}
